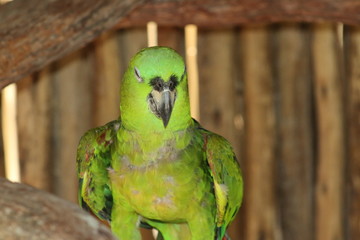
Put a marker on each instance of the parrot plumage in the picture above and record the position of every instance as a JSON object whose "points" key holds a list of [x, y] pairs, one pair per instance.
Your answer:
{"points": [[156, 166]]}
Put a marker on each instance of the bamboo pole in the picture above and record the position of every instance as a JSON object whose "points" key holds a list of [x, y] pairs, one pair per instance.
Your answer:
{"points": [[10, 133], [329, 217], [152, 34], [192, 69]]}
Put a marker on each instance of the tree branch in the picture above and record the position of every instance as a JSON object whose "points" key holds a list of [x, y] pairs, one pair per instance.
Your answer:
{"points": [[222, 13], [28, 213], [37, 32]]}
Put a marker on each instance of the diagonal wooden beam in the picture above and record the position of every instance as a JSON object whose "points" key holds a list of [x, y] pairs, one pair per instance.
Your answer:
{"points": [[42, 216], [37, 32], [222, 13]]}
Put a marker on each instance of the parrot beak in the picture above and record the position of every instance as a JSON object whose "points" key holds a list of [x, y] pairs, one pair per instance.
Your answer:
{"points": [[161, 103], [166, 106]]}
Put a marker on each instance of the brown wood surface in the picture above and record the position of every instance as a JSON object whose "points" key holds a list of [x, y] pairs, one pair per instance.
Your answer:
{"points": [[34, 125], [221, 13], [329, 219], [35, 33], [262, 219], [72, 117], [27, 213], [219, 74], [107, 79], [295, 126], [353, 130]]}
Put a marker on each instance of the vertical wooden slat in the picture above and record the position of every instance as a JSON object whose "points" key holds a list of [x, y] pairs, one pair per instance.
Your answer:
{"points": [[218, 106], [296, 151], [72, 117], [34, 105], [217, 81], [130, 42], [107, 79], [172, 37], [353, 131], [330, 133], [262, 220]]}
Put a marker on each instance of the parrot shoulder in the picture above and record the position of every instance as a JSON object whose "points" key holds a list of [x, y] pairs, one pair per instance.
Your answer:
{"points": [[93, 161]]}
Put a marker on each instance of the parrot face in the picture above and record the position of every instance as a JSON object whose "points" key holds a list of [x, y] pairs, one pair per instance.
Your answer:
{"points": [[162, 98], [154, 91]]}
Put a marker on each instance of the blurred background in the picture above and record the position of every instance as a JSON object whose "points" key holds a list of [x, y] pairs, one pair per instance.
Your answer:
{"points": [[287, 96]]}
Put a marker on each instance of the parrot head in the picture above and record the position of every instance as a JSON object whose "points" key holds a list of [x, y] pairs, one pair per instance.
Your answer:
{"points": [[154, 93]]}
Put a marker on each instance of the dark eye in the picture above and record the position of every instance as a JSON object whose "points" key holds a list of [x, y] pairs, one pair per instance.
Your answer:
{"points": [[137, 75], [183, 75], [173, 82]]}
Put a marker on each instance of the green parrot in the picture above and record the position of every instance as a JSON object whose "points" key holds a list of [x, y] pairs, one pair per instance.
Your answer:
{"points": [[155, 166]]}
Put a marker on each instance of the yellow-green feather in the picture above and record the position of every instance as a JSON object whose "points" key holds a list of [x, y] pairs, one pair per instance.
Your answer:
{"points": [[226, 173]]}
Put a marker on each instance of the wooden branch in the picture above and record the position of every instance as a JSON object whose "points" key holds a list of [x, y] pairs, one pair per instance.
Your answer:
{"points": [[35, 33], [231, 12], [28, 213]]}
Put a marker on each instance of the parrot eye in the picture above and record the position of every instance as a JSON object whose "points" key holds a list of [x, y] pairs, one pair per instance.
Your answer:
{"points": [[173, 82], [183, 75], [157, 83], [137, 75]]}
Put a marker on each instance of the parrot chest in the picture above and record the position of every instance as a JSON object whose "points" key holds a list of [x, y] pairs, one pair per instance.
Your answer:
{"points": [[165, 184]]}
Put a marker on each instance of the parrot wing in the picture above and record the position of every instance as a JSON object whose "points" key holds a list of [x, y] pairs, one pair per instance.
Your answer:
{"points": [[227, 178], [93, 160]]}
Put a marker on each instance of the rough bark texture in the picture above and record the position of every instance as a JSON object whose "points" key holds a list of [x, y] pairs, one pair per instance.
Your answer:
{"points": [[28, 213], [222, 13], [35, 33]]}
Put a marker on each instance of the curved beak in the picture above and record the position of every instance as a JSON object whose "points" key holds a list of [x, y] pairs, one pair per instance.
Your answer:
{"points": [[166, 106], [161, 103]]}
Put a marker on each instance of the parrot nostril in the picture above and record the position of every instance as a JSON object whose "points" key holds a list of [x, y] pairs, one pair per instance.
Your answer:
{"points": [[159, 85]]}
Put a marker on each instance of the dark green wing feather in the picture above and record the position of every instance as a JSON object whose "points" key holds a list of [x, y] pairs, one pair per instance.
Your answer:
{"points": [[228, 184], [93, 161]]}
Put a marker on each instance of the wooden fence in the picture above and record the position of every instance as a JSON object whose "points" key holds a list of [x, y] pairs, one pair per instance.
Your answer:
{"points": [[287, 96]]}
